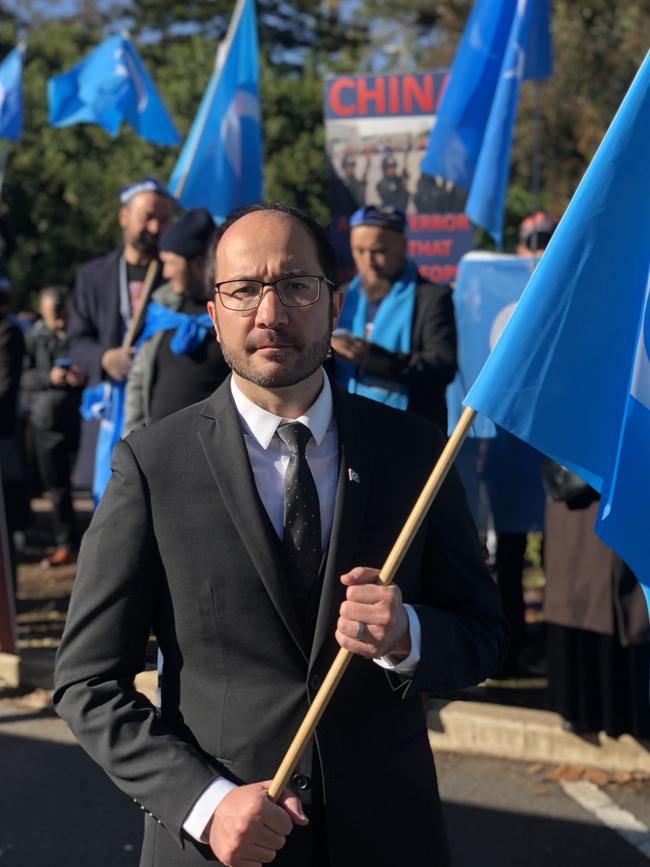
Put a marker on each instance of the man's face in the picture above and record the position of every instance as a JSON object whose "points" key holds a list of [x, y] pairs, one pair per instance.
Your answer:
{"points": [[379, 256], [273, 346], [142, 220], [175, 271], [55, 316]]}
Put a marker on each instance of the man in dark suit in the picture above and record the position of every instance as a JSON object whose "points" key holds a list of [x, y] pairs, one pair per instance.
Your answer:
{"points": [[106, 294], [241, 551], [401, 329]]}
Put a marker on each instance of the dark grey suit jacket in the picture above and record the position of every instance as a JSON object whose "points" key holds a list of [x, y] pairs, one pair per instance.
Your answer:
{"points": [[181, 545]]}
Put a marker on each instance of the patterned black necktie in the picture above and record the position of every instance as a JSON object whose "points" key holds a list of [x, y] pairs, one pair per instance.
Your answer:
{"points": [[302, 543]]}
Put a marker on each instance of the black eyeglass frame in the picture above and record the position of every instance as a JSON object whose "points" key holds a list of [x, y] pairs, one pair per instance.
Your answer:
{"points": [[273, 284]]}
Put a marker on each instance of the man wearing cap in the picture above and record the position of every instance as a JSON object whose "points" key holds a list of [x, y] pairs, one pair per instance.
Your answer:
{"points": [[397, 338], [392, 187], [177, 366], [108, 288], [106, 294]]}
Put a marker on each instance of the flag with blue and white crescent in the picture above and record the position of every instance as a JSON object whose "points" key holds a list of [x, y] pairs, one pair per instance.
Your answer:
{"points": [[220, 166], [571, 372]]}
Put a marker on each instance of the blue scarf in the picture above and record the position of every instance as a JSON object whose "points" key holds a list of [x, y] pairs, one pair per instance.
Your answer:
{"points": [[391, 329], [190, 330]]}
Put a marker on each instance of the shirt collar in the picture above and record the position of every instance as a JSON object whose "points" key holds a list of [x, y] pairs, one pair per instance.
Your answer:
{"points": [[262, 424]]}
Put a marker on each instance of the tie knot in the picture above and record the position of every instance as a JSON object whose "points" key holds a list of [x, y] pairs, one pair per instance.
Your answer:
{"points": [[295, 436]]}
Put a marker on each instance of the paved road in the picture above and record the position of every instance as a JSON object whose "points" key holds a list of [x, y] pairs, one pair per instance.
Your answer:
{"points": [[57, 808], [499, 814]]}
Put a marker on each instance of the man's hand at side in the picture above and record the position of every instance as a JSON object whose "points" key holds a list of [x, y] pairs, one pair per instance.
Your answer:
{"points": [[117, 362], [247, 829], [380, 610]]}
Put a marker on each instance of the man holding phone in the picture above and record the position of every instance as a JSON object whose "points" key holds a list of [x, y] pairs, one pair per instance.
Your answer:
{"points": [[52, 386], [396, 343]]}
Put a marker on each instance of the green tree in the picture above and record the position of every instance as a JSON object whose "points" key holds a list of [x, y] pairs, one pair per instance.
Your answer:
{"points": [[59, 204]]}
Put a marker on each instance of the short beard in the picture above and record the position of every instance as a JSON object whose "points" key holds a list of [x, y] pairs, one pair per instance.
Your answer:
{"points": [[377, 290], [146, 243], [285, 376], [311, 359]]}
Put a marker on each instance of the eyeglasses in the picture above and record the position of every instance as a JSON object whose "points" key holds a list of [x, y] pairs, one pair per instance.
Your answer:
{"points": [[297, 291]]}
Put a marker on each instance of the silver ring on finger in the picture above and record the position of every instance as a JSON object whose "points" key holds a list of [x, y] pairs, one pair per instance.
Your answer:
{"points": [[361, 627]]}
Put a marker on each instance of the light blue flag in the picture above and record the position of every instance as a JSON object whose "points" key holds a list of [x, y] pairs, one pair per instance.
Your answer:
{"points": [[457, 137], [487, 196], [571, 373], [488, 287], [220, 166], [104, 402], [107, 87], [11, 96]]}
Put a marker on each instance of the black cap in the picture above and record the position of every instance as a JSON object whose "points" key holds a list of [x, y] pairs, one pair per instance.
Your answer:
{"points": [[190, 235]]}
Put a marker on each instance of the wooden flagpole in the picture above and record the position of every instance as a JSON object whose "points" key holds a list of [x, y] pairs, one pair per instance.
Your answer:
{"points": [[137, 320], [386, 575]]}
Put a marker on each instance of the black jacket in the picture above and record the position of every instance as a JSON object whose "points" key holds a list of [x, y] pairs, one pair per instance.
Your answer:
{"points": [[49, 407], [181, 544], [95, 321], [12, 348]]}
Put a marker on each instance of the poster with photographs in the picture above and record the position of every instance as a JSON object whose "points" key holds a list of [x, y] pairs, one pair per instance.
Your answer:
{"points": [[377, 128]]}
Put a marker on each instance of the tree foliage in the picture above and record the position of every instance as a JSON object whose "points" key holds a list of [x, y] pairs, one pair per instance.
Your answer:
{"points": [[60, 197]]}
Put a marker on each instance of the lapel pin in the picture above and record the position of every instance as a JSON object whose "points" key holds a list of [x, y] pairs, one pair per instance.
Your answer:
{"points": [[353, 475]]}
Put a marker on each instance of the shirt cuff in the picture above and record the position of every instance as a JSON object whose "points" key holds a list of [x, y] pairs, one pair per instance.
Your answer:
{"points": [[407, 666], [203, 809]]}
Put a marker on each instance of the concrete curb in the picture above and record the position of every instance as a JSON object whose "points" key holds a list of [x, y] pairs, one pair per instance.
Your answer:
{"points": [[466, 727], [527, 735]]}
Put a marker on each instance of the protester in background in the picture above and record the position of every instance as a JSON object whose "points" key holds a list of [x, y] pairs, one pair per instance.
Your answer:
{"points": [[511, 471], [392, 187], [106, 295], [171, 372], [12, 348], [436, 195], [397, 337], [598, 648], [52, 389], [346, 191]]}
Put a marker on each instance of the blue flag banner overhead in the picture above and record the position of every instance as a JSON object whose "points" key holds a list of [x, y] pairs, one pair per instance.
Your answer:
{"points": [[571, 372], [457, 137], [487, 196], [11, 97], [220, 166], [107, 87]]}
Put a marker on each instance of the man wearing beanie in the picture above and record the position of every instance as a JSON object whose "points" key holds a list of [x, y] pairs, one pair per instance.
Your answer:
{"points": [[396, 341], [175, 365]]}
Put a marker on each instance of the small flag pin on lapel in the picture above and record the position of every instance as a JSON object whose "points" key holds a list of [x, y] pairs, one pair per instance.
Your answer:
{"points": [[353, 475]]}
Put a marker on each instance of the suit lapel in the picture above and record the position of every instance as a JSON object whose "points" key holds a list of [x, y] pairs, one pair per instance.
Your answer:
{"points": [[355, 471], [223, 445]]}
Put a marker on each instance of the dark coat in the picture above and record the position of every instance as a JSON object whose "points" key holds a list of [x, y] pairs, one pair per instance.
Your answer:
{"points": [[49, 407], [181, 544], [95, 321], [431, 364], [587, 585], [12, 348]]}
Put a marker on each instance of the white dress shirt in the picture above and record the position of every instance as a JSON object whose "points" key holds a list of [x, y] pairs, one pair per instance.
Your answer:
{"points": [[269, 459]]}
